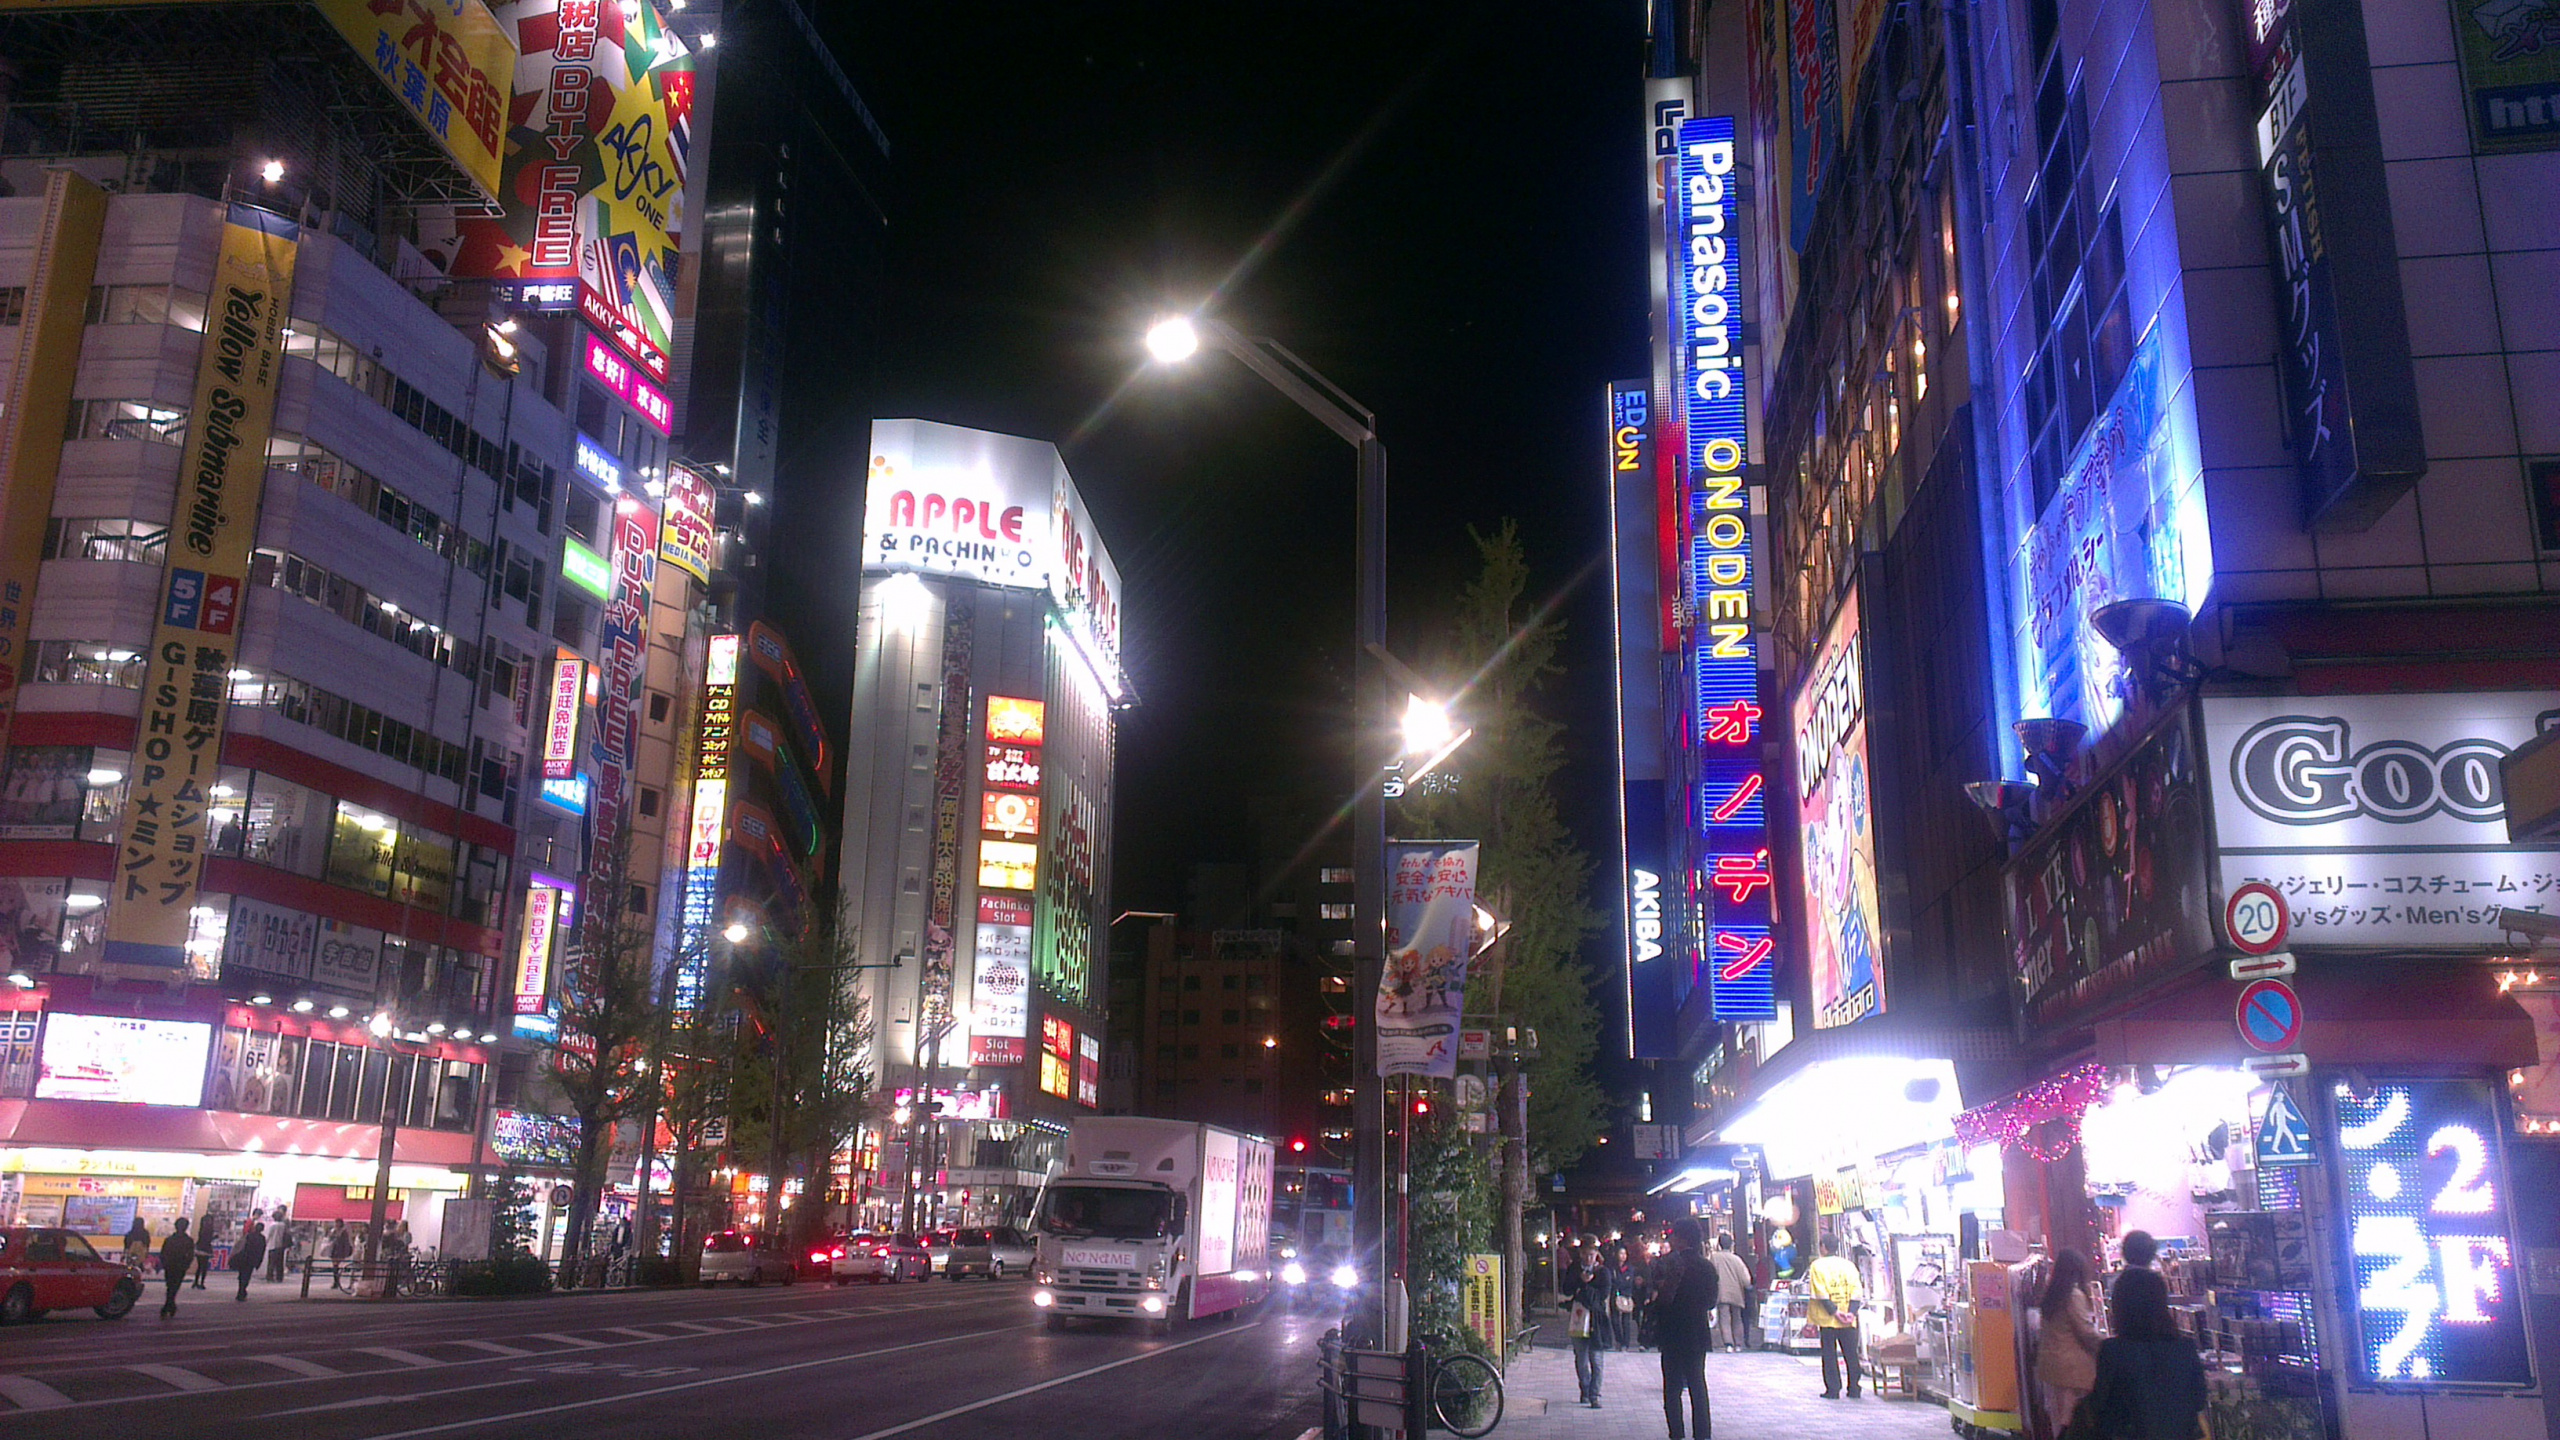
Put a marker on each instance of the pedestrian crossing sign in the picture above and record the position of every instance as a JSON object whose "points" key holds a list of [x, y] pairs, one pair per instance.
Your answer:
{"points": [[2284, 1136]]}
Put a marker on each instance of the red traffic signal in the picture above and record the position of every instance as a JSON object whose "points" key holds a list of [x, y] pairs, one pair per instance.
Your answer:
{"points": [[1298, 1145]]}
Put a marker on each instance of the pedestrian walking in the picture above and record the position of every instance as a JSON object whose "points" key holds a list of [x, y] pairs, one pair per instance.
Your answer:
{"points": [[1682, 1290], [1624, 1333], [342, 1248], [1733, 1288], [1589, 1308], [177, 1256], [1835, 1287], [137, 1244], [395, 1250], [203, 1250], [2150, 1382], [2067, 1341], [249, 1252]]}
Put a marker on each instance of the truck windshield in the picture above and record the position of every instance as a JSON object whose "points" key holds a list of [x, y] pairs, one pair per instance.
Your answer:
{"points": [[1094, 1210]]}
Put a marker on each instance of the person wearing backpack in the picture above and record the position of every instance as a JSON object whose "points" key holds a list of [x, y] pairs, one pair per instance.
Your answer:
{"points": [[1682, 1308], [1595, 1287]]}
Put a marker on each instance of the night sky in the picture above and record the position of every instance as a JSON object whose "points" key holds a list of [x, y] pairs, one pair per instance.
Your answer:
{"points": [[1466, 257]]}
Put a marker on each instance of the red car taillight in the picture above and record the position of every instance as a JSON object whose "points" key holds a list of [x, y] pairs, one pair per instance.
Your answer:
{"points": [[817, 1257], [837, 1253], [881, 1254]]}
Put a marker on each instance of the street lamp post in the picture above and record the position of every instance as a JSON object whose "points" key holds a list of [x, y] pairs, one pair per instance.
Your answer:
{"points": [[1173, 340]]}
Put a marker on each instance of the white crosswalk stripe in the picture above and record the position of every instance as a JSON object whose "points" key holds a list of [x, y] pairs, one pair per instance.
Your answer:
{"points": [[494, 1347], [405, 1357], [300, 1366], [28, 1393], [176, 1377]]}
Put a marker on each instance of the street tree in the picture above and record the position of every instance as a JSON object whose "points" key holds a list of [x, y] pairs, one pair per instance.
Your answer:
{"points": [[608, 1017]]}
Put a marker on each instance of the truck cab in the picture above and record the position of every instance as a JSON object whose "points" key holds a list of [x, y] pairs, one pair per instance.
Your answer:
{"points": [[1112, 1249]]}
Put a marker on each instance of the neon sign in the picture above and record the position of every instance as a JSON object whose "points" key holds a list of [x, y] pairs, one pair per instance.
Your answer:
{"points": [[1734, 884], [560, 725], [2437, 1296], [627, 385], [709, 820]]}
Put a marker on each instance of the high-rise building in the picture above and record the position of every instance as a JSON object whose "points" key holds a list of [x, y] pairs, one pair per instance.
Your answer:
{"points": [[2132, 414], [359, 597], [978, 810]]}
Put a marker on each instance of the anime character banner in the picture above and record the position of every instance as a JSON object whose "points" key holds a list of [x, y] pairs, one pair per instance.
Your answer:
{"points": [[1431, 934]]}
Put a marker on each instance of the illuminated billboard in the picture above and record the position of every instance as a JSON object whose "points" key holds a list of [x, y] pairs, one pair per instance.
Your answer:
{"points": [[124, 1060], [1005, 813], [1008, 864], [1057, 1057], [1015, 720], [591, 199], [708, 821], [622, 379], [560, 717], [1836, 826], [543, 913], [1088, 1069], [943, 500], [685, 531], [1000, 986], [1723, 648]]}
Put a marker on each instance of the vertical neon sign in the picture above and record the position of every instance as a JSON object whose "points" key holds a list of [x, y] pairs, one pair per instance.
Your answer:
{"points": [[1724, 651], [709, 818]]}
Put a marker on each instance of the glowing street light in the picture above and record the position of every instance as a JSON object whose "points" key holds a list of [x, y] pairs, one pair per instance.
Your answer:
{"points": [[1429, 731], [272, 172], [1173, 340], [736, 933]]}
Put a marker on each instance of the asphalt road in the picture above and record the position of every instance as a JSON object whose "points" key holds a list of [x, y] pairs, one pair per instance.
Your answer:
{"points": [[932, 1361]]}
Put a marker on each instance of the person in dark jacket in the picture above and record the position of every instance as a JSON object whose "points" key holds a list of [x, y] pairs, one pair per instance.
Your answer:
{"points": [[2150, 1383], [249, 1252], [1683, 1306], [204, 1250], [177, 1257], [1595, 1287]]}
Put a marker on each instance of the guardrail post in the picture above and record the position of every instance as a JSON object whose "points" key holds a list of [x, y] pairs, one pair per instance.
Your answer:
{"points": [[1417, 1390]]}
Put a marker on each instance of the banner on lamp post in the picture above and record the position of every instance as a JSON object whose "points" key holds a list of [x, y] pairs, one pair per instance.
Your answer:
{"points": [[1431, 910]]}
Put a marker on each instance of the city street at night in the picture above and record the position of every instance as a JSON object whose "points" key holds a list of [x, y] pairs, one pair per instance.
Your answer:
{"points": [[935, 1361]]}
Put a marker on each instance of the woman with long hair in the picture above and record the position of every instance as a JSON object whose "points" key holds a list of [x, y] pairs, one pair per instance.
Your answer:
{"points": [[2067, 1342], [2150, 1381]]}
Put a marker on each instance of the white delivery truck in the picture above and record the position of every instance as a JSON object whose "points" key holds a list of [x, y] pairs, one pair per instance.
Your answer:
{"points": [[1154, 1221]]}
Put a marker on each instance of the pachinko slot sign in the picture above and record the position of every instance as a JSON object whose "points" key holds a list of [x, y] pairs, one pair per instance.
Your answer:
{"points": [[1734, 881]]}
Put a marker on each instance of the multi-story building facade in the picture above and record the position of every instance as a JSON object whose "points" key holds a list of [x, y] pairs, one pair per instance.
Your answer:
{"points": [[978, 806], [2145, 493], [456, 672]]}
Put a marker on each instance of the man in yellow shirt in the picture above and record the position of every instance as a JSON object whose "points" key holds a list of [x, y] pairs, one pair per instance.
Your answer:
{"points": [[1834, 1283]]}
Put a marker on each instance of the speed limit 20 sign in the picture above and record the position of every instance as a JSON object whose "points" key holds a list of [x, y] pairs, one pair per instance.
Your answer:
{"points": [[2255, 918]]}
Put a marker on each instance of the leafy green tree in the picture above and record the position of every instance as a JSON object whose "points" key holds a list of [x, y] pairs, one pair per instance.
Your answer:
{"points": [[1452, 1216], [1501, 790]]}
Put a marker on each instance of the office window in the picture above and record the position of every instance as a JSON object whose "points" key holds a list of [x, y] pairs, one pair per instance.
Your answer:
{"points": [[1334, 875], [1229, 1052], [1166, 1052], [1190, 1017], [125, 420], [1167, 1019], [636, 900], [1231, 982], [659, 708], [1190, 982], [425, 869], [1167, 984], [1230, 1017], [649, 800], [362, 849], [1190, 1052], [1333, 912], [1253, 983]]}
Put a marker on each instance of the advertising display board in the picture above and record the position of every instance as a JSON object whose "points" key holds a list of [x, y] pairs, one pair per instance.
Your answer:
{"points": [[542, 907], [2113, 894], [565, 697], [1089, 1070], [622, 379], [2380, 819], [1431, 936], [685, 534], [623, 657], [222, 472], [1723, 639], [1221, 1174], [1000, 984], [1057, 1057], [943, 500], [124, 1060], [1084, 584], [2437, 1298], [1835, 821], [448, 63], [268, 940], [590, 206], [1659, 968]]}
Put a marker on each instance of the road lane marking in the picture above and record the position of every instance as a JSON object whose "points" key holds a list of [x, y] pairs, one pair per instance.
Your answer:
{"points": [[28, 1393], [1048, 1384], [572, 1341], [475, 1423], [495, 1348], [173, 1376], [300, 1366], [634, 1331], [362, 1402], [409, 1358], [696, 1326]]}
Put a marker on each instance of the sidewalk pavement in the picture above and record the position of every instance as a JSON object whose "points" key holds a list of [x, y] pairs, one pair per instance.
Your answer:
{"points": [[1756, 1395]]}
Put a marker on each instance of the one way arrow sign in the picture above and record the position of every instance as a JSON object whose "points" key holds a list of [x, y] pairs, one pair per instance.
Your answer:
{"points": [[2284, 1137]]}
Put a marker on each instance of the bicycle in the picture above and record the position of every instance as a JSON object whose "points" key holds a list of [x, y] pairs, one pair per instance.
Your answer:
{"points": [[1465, 1392]]}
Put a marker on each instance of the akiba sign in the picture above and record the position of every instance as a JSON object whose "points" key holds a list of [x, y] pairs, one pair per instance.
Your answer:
{"points": [[2380, 818]]}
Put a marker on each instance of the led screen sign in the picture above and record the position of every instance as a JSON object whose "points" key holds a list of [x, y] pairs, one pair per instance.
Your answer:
{"points": [[1836, 825], [2380, 818], [1057, 1056], [2438, 1299], [623, 380], [1735, 881], [1000, 987], [560, 717], [124, 1060], [542, 915]]}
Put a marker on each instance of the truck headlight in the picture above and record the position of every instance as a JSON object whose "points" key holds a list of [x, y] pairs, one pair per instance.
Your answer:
{"points": [[1293, 1273], [1153, 1304], [1042, 1299], [1346, 1277]]}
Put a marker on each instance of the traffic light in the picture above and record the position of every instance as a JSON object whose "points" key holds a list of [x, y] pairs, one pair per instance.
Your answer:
{"points": [[1421, 1107], [1298, 1145]]}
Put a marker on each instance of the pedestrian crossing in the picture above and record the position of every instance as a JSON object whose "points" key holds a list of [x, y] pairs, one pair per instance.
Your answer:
{"points": [[114, 1384]]}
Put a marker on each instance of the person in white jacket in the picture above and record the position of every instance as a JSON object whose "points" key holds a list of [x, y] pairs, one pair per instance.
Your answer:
{"points": [[1733, 1288]]}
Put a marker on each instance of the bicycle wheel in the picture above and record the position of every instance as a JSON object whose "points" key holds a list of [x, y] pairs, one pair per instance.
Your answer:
{"points": [[1466, 1394]]}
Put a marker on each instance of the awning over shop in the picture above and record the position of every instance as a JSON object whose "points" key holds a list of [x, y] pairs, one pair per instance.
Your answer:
{"points": [[2405, 1014], [97, 1125]]}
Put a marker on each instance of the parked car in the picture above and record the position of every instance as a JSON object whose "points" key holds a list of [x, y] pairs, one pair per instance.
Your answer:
{"points": [[818, 1260], [744, 1256], [937, 1243], [45, 1269], [880, 1257], [994, 1253]]}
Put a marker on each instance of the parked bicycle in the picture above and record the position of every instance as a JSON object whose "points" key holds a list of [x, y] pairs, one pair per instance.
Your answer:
{"points": [[1465, 1391]]}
